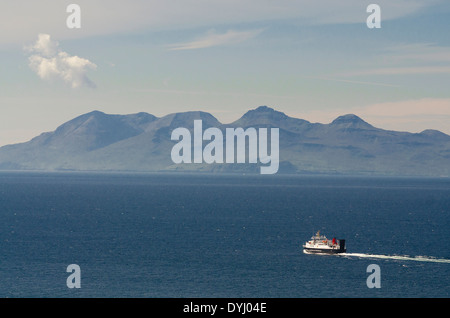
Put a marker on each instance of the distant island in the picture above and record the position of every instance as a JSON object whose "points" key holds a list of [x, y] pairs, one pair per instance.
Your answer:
{"points": [[142, 143]]}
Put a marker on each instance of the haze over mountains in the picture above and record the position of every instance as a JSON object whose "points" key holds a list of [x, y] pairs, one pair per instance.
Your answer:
{"points": [[142, 142]]}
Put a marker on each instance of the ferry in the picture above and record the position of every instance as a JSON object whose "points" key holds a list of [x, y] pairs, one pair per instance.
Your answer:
{"points": [[319, 244]]}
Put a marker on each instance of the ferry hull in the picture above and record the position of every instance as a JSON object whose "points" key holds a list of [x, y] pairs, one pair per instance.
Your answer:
{"points": [[323, 250]]}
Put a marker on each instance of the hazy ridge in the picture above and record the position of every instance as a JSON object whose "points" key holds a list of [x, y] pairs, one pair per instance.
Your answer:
{"points": [[141, 142]]}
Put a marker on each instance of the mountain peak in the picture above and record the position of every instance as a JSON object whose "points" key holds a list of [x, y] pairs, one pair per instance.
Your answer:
{"points": [[264, 108], [264, 115], [347, 118], [266, 112], [95, 112], [350, 121], [92, 114], [186, 119], [434, 134]]}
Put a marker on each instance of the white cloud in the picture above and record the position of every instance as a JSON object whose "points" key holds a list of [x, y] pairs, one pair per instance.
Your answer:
{"points": [[214, 39], [51, 63], [45, 46]]}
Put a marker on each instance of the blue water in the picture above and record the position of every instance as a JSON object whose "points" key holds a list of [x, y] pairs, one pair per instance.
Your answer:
{"points": [[163, 235]]}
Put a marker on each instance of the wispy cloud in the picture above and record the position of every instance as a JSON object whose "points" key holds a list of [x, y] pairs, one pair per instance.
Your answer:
{"points": [[322, 78], [51, 63], [413, 115], [410, 115], [418, 52], [208, 92], [216, 39], [408, 59], [401, 71], [132, 15], [408, 108]]}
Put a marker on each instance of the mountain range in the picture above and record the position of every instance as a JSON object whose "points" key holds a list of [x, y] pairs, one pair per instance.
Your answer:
{"points": [[142, 143]]}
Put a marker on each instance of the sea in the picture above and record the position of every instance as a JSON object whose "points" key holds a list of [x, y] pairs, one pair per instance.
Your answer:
{"points": [[168, 235]]}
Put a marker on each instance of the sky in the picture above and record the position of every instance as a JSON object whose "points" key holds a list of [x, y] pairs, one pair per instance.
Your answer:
{"points": [[314, 60]]}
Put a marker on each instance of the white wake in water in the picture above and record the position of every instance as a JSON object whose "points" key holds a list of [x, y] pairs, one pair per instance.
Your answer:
{"points": [[398, 257]]}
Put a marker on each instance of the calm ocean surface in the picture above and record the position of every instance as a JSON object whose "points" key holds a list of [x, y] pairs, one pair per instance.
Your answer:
{"points": [[162, 235]]}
